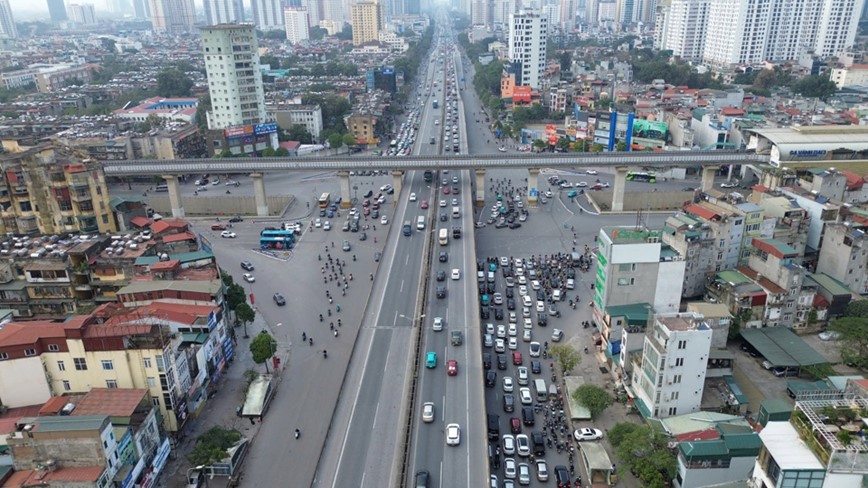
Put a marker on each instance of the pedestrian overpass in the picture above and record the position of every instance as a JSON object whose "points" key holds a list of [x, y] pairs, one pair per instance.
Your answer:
{"points": [[710, 161]]}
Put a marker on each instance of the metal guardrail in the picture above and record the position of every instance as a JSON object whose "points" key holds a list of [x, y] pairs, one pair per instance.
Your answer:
{"points": [[661, 159]]}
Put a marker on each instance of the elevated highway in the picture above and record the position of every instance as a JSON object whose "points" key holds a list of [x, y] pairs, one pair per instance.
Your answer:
{"points": [[710, 161]]}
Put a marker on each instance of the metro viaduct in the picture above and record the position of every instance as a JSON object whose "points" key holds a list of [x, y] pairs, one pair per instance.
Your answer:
{"points": [[710, 161]]}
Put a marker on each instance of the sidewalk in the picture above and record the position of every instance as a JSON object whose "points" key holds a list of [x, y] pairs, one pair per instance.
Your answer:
{"points": [[219, 410]]}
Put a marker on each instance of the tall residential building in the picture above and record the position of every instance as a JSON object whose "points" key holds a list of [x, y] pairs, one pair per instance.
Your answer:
{"points": [[82, 14], [172, 16], [527, 45], [267, 14], [670, 378], [568, 15], [7, 22], [234, 80], [684, 31], [367, 22], [314, 11], [501, 10], [297, 25], [481, 12], [57, 10], [224, 12], [142, 9]]}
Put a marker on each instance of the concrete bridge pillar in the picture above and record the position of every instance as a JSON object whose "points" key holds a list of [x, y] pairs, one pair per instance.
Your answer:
{"points": [[259, 194], [618, 188], [174, 195], [708, 173], [344, 178], [532, 185], [397, 178], [480, 187]]}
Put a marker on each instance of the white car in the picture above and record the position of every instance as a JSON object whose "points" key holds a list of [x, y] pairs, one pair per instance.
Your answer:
{"points": [[528, 324], [454, 202], [456, 274], [523, 474], [591, 172], [526, 335], [535, 284], [228, 234], [522, 375], [508, 442], [453, 435], [499, 345], [412, 197], [512, 330], [497, 298], [384, 220], [557, 335], [526, 301], [509, 468], [326, 225], [248, 277], [524, 394], [522, 290], [438, 324], [317, 223], [442, 203], [508, 384], [513, 317], [540, 306], [522, 445], [501, 331], [428, 412], [489, 329], [525, 312], [588, 434], [513, 343], [535, 349]]}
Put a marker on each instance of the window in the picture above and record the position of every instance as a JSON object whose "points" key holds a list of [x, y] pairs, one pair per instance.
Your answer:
{"points": [[679, 362], [53, 347], [155, 400], [152, 382], [4, 355], [30, 352], [676, 378], [147, 362], [673, 395], [67, 386], [107, 364], [682, 344], [111, 383], [80, 364], [673, 410], [61, 366]]}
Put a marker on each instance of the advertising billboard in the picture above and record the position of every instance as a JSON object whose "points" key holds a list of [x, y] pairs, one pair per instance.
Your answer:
{"points": [[262, 129], [521, 94], [238, 131], [649, 129]]}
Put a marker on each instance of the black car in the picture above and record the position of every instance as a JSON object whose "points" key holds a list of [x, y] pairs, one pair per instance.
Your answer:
{"points": [[246, 266], [279, 300], [483, 313], [509, 293], [508, 403], [490, 288], [444, 256], [539, 445], [514, 225], [535, 367], [441, 275], [369, 194], [542, 320], [235, 219], [501, 362], [363, 236], [443, 217], [562, 476], [490, 378], [422, 479], [510, 303], [527, 416], [498, 313], [486, 360], [441, 292]]}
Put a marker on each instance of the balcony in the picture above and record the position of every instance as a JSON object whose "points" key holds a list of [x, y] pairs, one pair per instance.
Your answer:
{"points": [[830, 427], [80, 196]]}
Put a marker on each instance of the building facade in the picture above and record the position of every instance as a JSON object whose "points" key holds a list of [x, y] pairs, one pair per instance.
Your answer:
{"points": [[172, 16], [7, 21], [367, 22], [844, 255], [267, 14], [528, 31], [224, 12], [57, 10], [296, 21], [82, 13]]}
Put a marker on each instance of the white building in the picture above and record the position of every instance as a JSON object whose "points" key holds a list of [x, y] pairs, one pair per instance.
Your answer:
{"points": [[671, 377], [501, 11], [83, 14], [297, 24], [172, 16], [223, 12], [481, 13], [527, 45], [267, 14], [7, 21], [395, 42], [234, 81], [685, 23], [552, 13], [854, 75], [567, 15]]}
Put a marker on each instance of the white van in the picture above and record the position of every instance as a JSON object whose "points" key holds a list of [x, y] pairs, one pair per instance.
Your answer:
{"points": [[540, 386], [456, 213], [420, 222]]}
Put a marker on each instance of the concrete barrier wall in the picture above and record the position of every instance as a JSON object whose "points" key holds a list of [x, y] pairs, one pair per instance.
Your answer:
{"points": [[221, 205], [647, 200]]}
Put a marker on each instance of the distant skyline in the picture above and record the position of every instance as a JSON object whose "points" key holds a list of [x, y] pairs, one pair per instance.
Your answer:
{"points": [[38, 9]]}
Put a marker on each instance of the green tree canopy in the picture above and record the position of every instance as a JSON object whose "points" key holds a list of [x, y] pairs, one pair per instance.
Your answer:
{"points": [[346, 34], [567, 357], [235, 295], [172, 82], [819, 86], [212, 445], [297, 132], [263, 346], [245, 313], [594, 398], [317, 33], [644, 452], [857, 308], [336, 141], [853, 343], [349, 140]]}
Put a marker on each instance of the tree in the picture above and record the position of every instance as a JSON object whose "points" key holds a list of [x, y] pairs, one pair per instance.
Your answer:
{"points": [[172, 82], [620, 146], [567, 357], [263, 347], [212, 445], [563, 143], [349, 140], [235, 295], [539, 145], [595, 398], [296, 132], [317, 33], [857, 308], [202, 109], [644, 452], [566, 61], [819, 86], [346, 34], [621, 431], [268, 152], [853, 342], [245, 314], [336, 141], [227, 278]]}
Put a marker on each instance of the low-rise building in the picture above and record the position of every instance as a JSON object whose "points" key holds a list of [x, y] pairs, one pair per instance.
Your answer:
{"points": [[180, 109], [289, 114], [728, 458], [844, 255], [854, 75]]}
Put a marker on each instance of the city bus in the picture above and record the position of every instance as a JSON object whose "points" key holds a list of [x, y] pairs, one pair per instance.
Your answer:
{"points": [[640, 176], [323, 200], [276, 239]]}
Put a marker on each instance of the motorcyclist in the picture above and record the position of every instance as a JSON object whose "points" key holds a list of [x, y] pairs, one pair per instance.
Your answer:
{"points": [[325, 354]]}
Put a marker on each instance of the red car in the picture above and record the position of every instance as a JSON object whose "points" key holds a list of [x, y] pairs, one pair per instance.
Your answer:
{"points": [[366, 203], [516, 358], [446, 190], [366, 211], [424, 204], [452, 367], [515, 425]]}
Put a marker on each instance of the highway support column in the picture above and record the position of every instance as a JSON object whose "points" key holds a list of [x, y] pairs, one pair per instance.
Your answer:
{"points": [[708, 173], [174, 196], [618, 187], [259, 194], [397, 178], [344, 178], [532, 186], [480, 187]]}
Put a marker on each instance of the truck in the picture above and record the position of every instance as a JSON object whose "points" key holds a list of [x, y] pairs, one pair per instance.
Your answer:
{"points": [[429, 176]]}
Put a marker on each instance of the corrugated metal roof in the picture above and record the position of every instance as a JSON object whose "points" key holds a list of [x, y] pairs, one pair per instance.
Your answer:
{"points": [[733, 277], [209, 286], [596, 456], [636, 313], [736, 390], [68, 423], [830, 284], [782, 347]]}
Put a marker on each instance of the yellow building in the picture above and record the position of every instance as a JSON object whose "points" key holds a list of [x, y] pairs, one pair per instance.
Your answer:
{"points": [[51, 190], [367, 22]]}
